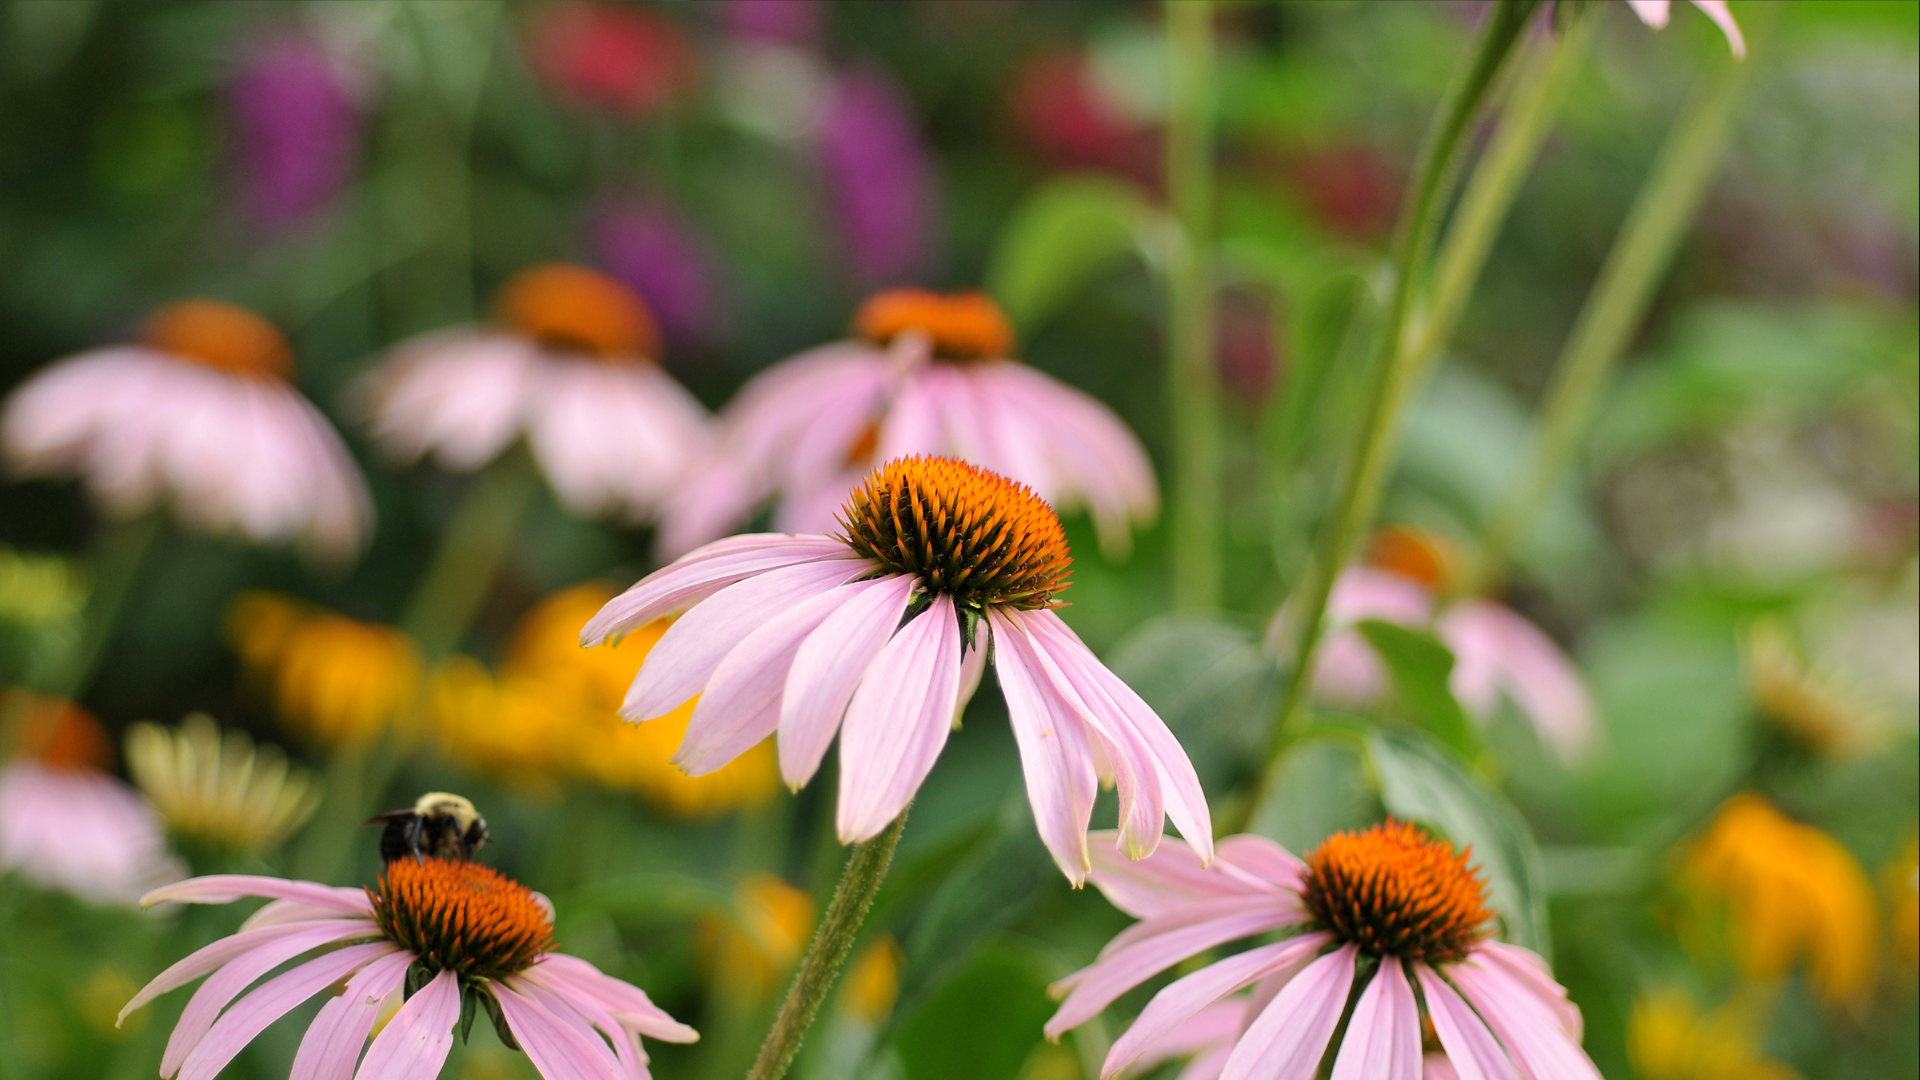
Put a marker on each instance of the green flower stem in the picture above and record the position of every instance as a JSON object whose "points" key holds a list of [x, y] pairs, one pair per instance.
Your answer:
{"points": [[114, 564], [865, 869], [1392, 374], [476, 543], [1614, 310], [1193, 385]]}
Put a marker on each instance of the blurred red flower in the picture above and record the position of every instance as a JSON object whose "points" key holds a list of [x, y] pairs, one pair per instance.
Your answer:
{"points": [[1065, 116], [622, 57]]}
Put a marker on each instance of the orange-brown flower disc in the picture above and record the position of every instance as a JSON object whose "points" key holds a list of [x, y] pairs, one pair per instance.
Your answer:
{"points": [[581, 310], [59, 734], [461, 917], [1414, 554], [965, 532], [963, 326], [1394, 891], [221, 336]]}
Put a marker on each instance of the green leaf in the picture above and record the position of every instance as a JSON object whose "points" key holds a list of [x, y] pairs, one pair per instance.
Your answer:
{"points": [[1207, 677], [982, 1023], [1318, 787], [1423, 783], [1419, 666], [1063, 235]]}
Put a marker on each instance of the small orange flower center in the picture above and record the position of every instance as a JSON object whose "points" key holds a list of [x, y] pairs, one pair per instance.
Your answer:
{"points": [[59, 734], [1394, 891], [1414, 554], [579, 310], [461, 917], [221, 336], [965, 532], [963, 326]]}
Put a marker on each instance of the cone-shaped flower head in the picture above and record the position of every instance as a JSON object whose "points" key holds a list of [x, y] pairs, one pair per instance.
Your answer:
{"points": [[198, 415], [570, 364], [1377, 911], [449, 937], [880, 634], [925, 374]]}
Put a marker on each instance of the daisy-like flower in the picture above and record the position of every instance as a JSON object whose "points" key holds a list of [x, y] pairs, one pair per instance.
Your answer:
{"points": [[572, 366], [452, 937], [1497, 653], [199, 415], [65, 822], [881, 634], [1381, 910], [929, 374], [1654, 13], [218, 790]]}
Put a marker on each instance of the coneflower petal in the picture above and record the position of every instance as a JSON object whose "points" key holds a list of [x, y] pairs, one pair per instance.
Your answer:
{"points": [[898, 721], [332, 1045], [828, 668], [701, 573], [1530, 1032], [1054, 757], [1471, 1048], [415, 1043], [235, 976], [274, 999], [1290, 1035], [211, 957], [1181, 999], [1383, 1038], [557, 1040]]}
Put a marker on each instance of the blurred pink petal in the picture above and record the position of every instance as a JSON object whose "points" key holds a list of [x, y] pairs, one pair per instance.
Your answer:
{"points": [[1654, 13], [80, 831], [1383, 1037], [1495, 652]]}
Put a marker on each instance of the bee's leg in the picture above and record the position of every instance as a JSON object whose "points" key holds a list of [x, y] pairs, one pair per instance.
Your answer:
{"points": [[414, 828]]}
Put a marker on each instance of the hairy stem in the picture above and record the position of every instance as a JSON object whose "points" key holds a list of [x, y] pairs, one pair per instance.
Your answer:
{"points": [[1392, 375], [865, 869], [1193, 389]]}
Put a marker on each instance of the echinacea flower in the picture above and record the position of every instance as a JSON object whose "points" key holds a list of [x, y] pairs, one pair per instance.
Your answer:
{"points": [[217, 789], [452, 937], [1654, 13], [198, 415], [295, 129], [1380, 910], [881, 634], [65, 822], [1810, 709], [335, 682], [929, 374], [1787, 890], [1497, 652], [572, 365]]}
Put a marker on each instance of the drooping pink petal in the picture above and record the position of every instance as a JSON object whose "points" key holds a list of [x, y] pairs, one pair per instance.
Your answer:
{"points": [[897, 722], [1163, 882], [1723, 18], [415, 1043], [1527, 1028], [627, 1002], [1383, 1038], [226, 888], [332, 1044], [1267, 862], [701, 573], [712, 497], [1496, 650], [685, 657], [250, 1016], [585, 1015], [1208, 1036], [558, 1042], [614, 437], [1181, 999], [1289, 1037], [1054, 757], [1472, 1051], [1652, 12], [207, 958], [459, 395], [1529, 971], [828, 668]]}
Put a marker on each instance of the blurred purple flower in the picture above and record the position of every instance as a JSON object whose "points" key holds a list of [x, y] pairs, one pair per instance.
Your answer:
{"points": [[878, 176], [664, 259], [790, 22], [296, 129]]}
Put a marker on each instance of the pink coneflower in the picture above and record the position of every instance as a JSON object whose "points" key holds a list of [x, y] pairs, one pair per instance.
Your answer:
{"points": [[200, 415], [295, 129], [878, 176], [572, 366], [1497, 653], [623, 57], [1382, 909], [929, 374], [473, 940], [881, 634], [65, 823], [1654, 13]]}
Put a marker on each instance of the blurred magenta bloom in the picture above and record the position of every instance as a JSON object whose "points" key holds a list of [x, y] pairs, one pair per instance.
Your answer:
{"points": [[929, 374], [623, 57], [1246, 349], [789, 22], [1062, 112], [1654, 13], [880, 636], [878, 177], [1351, 190], [658, 253], [1392, 891], [296, 129]]}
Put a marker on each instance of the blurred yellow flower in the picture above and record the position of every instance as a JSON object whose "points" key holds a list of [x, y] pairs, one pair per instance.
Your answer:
{"points": [[873, 981], [40, 590], [1787, 890], [1668, 1038], [747, 950], [1902, 877], [1815, 713], [218, 790], [334, 681], [514, 729], [98, 1000]]}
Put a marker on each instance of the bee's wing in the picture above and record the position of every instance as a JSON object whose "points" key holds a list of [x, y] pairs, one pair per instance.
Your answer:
{"points": [[391, 815]]}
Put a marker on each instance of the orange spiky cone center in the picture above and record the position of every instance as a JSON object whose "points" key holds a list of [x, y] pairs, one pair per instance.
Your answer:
{"points": [[1394, 891], [962, 326], [579, 310], [461, 917], [965, 532], [220, 336]]}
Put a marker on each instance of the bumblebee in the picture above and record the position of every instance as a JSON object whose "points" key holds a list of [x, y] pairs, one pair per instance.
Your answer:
{"points": [[438, 824]]}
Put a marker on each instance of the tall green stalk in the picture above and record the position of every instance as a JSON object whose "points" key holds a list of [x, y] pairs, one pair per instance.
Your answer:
{"points": [[1193, 385], [866, 869], [114, 565], [1641, 255], [1391, 368]]}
